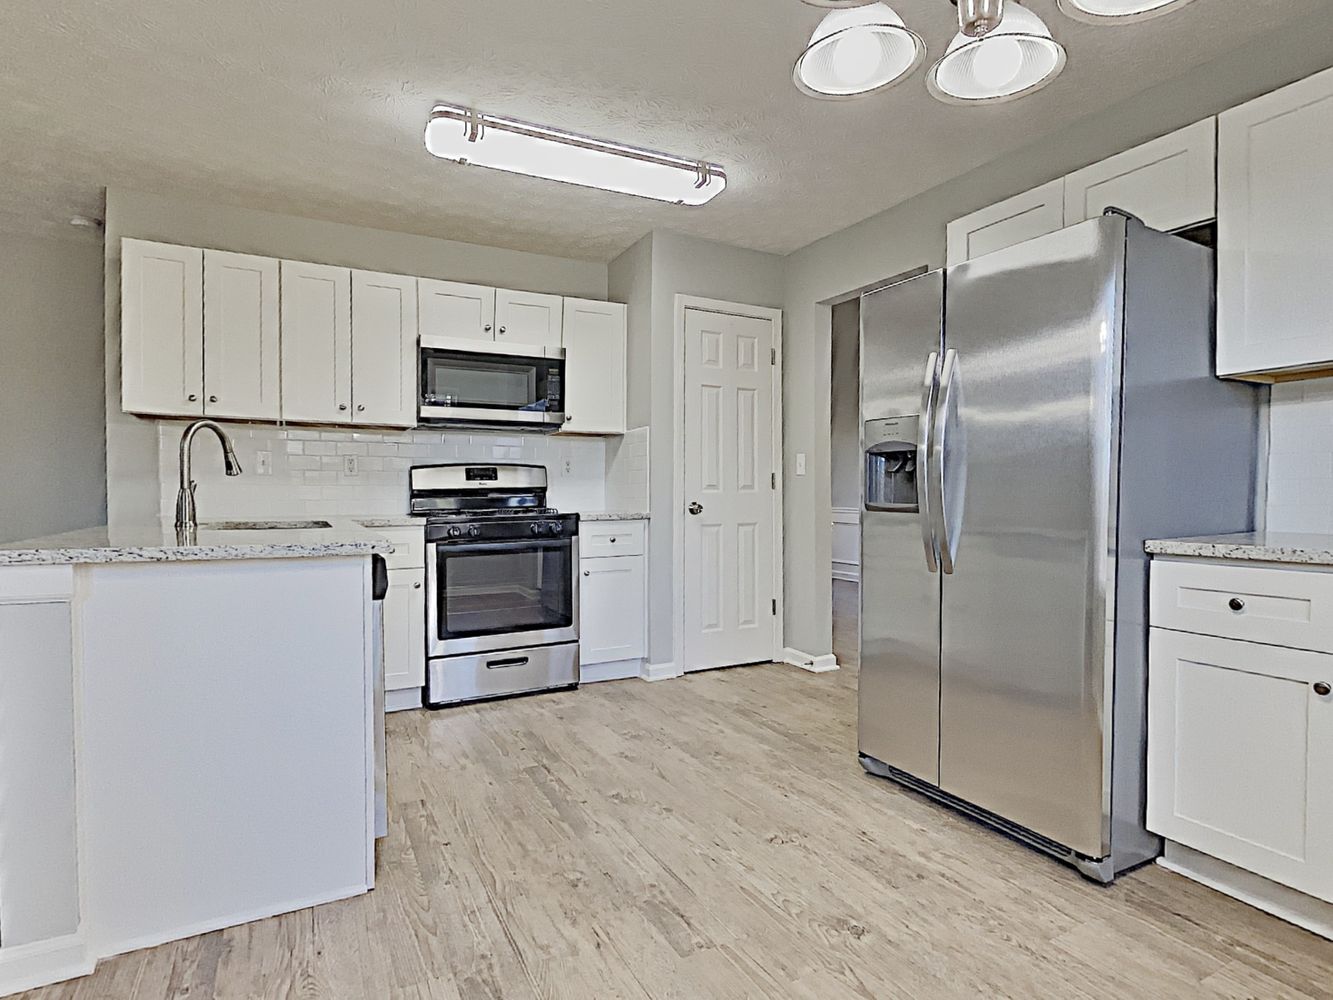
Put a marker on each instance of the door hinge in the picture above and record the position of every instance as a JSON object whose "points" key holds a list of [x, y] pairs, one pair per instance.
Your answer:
{"points": [[772, 355], [775, 606], [772, 480]]}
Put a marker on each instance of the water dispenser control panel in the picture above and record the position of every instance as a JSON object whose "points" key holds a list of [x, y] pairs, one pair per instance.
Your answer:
{"points": [[890, 463]]}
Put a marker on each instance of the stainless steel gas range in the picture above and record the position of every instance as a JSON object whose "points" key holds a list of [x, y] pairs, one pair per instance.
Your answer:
{"points": [[502, 604]]}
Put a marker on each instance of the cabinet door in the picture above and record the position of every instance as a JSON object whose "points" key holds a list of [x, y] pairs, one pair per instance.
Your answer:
{"points": [[161, 328], [594, 339], [611, 609], [527, 319], [241, 352], [1023, 217], [1169, 183], [405, 630], [316, 343], [452, 309], [1239, 744], [1274, 217], [384, 349]]}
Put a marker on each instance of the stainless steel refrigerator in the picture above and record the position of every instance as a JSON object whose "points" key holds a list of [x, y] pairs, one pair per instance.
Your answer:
{"points": [[1029, 418]]}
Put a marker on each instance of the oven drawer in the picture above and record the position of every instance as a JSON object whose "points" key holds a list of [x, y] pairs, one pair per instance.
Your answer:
{"points": [[456, 679], [610, 538], [1280, 607]]}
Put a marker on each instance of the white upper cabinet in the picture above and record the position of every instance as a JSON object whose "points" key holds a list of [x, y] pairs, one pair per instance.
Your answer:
{"points": [[455, 310], [594, 339], [162, 328], [384, 349], [316, 342], [1275, 219], [527, 319], [1169, 183], [241, 352], [1023, 217]]}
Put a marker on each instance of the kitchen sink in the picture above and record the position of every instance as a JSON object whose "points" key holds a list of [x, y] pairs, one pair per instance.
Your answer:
{"points": [[264, 525]]}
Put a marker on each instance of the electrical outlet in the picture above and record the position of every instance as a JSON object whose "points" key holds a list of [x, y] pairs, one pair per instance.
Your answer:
{"points": [[263, 463], [349, 465], [569, 467]]}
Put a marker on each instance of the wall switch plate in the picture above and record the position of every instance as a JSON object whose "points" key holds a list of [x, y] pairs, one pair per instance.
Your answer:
{"points": [[263, 463], [349, 465], [800, 463]]}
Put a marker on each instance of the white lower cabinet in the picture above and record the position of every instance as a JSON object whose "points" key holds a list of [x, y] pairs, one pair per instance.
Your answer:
{"points": [[1240, 736], [405, 630], [613, 600]]}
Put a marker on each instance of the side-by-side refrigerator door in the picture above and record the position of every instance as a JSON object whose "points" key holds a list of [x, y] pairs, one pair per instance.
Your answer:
{"points": [[900, 582], [1026, 435]]}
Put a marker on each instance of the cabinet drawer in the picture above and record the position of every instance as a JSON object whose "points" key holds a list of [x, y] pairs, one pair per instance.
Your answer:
{"points": [[1281, 607], [611, 538]]}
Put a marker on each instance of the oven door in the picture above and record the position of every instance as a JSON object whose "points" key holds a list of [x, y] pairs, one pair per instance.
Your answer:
{"points": [[478, 389], [483, 596]]}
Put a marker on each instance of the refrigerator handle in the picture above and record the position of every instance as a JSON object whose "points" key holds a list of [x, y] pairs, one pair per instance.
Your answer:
{"points": [[948, 545], [923, 444]]}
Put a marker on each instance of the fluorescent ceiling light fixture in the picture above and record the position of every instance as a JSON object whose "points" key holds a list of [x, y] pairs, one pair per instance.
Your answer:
{"points": [[469, 137], [857, 51], [1118, 11], [1014, 60]]}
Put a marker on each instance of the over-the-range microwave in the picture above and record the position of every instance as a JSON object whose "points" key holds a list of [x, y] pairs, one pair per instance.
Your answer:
{"points": [[467, 385]]}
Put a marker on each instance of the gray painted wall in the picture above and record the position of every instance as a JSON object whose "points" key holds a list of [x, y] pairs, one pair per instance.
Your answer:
{"points": [[131, 442], [649, 276], [845, 405], [52, 446], [913, 233]]}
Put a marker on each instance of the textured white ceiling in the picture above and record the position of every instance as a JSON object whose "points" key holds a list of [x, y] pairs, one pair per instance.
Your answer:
{"points": [[316, 108]]}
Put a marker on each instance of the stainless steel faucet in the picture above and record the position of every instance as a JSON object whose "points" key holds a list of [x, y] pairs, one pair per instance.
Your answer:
{"points": [[186, 515]]}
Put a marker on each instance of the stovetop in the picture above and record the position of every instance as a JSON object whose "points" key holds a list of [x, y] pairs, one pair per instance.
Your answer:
{"points": [[484, 515]]}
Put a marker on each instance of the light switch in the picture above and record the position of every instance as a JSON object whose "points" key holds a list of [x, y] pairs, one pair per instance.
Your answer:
{"points": [[263, 463], [800, 463]]}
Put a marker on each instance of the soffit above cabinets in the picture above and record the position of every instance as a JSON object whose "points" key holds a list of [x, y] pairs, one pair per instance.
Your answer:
{"points": [[318, 111]]}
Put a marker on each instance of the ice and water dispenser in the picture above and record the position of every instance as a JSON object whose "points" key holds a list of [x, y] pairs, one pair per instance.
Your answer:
{"points": [[890, 463]]}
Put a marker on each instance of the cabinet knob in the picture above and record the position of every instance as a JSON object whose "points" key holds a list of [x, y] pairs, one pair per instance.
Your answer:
{"points": [[487, 328], [1322, 689], [1236, 604], [587, 572], [502, 329], [569, 417], [416, 586], [193, 397], [342, 406], [212, 399], [613, 539], [360, 407]]}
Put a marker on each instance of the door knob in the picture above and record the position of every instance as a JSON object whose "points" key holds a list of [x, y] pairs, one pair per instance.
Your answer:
{"points": [[1322, 689], [696, 508]]}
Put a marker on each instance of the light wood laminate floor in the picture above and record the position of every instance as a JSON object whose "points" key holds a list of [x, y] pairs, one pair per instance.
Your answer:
{"points": [[711, 837]]}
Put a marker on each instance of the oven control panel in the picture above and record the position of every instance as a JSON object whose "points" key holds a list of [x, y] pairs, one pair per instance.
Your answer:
{"points": [[503, 529]]}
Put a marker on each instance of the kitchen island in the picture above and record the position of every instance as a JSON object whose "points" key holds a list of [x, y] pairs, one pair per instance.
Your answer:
{"points": [[186, 735]]}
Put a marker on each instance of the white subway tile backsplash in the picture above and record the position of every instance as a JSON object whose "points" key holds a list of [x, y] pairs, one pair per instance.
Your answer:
{"points": [[1300, 457]]}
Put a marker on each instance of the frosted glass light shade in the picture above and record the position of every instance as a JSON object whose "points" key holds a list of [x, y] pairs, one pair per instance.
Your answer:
{"points": [[1012, 61], [858, 51], [469, 137], [1118, 11]]}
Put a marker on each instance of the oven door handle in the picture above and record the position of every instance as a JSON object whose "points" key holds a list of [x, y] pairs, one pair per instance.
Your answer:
{"points": [[480, 548]]}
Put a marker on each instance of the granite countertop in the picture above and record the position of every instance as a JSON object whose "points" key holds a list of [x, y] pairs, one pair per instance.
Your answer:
{"points": [[1252, 546], [214, 541], [614, 515]]}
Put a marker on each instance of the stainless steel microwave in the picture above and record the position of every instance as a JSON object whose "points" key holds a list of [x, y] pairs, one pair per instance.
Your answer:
{"points": [[479, 388]]}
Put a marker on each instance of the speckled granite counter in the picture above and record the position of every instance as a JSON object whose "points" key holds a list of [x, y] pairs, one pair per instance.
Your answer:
{"points": [[1253, 546], [234, 540], [614, 515]]}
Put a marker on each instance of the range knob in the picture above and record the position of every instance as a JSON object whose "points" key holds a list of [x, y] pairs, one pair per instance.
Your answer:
{"points": [[557, 528], [455, 531], [474, 532], [536, 528]]}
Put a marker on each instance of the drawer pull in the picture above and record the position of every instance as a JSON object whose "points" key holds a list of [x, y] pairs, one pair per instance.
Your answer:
{"points": [[613, 539], [1236, 605], [514, 661], [1322, 689], [587, 572]]}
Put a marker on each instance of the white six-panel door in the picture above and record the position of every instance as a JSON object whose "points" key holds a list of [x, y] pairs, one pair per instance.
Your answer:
{"points": [[729, 582], [384, 349], [241, 352], [316, 342]]}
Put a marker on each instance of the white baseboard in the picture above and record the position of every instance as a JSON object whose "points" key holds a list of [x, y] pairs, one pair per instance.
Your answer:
{"points": [[660, 671], [402, 699], [848, 571], [28, 966], [617, 670], [1281, 901], [814, 664]]}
